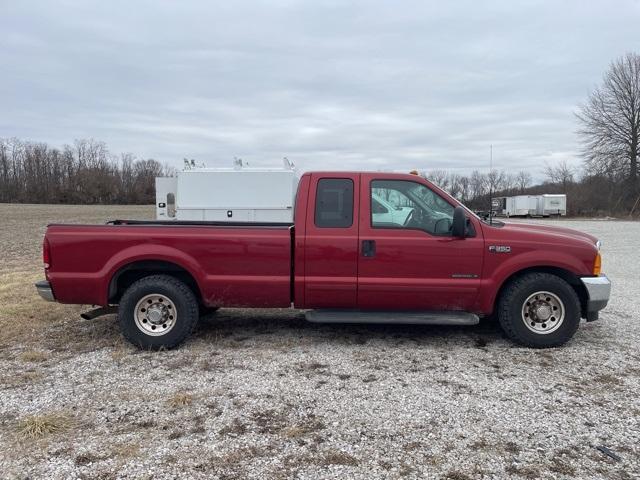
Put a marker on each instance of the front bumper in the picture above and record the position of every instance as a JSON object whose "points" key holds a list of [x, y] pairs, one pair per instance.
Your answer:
{"points": [[44, 290], [598, 292]]}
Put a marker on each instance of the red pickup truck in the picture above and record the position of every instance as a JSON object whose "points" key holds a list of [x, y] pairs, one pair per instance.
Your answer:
{"points": [[346, 258]]}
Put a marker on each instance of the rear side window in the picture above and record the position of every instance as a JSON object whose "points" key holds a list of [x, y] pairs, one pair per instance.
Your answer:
{"points": [[334, 203]]}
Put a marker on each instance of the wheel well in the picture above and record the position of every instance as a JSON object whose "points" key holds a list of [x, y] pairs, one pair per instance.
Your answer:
{"points": [[134, 271], [570, 277]]}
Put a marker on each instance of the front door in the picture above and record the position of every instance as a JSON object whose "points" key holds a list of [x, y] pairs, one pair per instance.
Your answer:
{"points": [[409, 260]]}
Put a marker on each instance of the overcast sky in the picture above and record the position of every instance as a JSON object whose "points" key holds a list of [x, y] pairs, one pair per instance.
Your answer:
{"points": [[330, 85]]}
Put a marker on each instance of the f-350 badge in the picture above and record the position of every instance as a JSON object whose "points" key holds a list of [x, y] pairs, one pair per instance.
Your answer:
{"points": [[499, 248]]}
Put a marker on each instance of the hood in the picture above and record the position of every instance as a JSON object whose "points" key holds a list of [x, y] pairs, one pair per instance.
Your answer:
{"points": [[561, 231]]}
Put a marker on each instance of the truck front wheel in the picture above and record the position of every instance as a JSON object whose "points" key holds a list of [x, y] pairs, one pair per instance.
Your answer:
{"points": [[157, 312], [539, 310]]}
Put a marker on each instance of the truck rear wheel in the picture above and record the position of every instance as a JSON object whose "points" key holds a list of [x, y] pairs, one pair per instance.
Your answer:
{"points": [[539, 310], [157, 312]]}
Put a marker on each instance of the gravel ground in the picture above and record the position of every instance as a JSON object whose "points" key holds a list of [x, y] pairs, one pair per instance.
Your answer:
{"points": [[263, 394]]}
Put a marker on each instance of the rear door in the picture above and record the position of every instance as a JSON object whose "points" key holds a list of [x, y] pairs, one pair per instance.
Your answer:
{"points": [[410, 261], [331, 243]]}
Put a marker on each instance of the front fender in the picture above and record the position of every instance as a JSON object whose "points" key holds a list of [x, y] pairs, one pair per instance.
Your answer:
{"points": [[498, 272]]}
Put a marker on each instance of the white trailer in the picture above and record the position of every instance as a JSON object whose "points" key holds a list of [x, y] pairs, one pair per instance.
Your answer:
{"points": [[238, 194], [551, 204], [521, 206], [499, 205]]}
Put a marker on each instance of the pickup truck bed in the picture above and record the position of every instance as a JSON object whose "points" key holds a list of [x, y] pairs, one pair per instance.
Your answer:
{"points": [[234, 265]]}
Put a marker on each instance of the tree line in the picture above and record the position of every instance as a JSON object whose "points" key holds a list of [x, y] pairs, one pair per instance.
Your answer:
{"points": [[88, 173], [471, 189], [587, 194], [82, 173]]}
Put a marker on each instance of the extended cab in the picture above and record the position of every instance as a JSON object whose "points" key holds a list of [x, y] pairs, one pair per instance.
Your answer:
{"points": [[364, 247]]}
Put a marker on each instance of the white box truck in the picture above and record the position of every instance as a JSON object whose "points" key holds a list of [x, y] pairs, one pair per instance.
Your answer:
{"points": [[238, 194]]}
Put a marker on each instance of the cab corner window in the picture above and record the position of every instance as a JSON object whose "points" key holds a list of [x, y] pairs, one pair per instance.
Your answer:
{"points": [[334, 203], [410, 205]]}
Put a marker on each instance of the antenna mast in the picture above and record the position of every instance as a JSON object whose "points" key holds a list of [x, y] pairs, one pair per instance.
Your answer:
{"points": [[490, 183]]}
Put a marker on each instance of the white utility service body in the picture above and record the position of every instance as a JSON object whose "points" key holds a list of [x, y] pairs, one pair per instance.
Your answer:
{"points": [[166, 188], [239, 194]]}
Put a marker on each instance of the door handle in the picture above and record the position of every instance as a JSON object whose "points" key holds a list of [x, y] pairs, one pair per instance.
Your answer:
{"points": [[368, 248]]}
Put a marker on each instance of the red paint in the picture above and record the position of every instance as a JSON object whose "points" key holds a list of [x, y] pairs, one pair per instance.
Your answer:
{"points": [[331, 255], [233, 266], [251, 266]]}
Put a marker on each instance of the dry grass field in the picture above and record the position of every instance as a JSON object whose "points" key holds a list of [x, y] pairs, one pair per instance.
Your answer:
{"points": [[263, 394]]}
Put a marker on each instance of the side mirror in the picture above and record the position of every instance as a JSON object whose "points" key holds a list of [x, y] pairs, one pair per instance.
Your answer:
{"points": [[459, 226]]}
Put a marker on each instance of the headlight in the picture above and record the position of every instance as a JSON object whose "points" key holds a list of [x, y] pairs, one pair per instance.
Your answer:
{"points": [[598, 244]]}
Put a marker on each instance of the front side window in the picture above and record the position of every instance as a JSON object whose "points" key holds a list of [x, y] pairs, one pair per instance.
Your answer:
{"points": [[410, 205], [334, 203]]}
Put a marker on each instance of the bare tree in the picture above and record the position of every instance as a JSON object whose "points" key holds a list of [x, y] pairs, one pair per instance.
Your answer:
{"points": [[509, 183], [496, 180], [610, 121], [455, 185], [464, 188], [439, 177], [562, 174], [478, 184], [83, 173], [523, 180]]}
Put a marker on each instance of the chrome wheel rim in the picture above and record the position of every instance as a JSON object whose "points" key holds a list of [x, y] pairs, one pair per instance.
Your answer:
{"points": [[155, 314], [543, 312]]}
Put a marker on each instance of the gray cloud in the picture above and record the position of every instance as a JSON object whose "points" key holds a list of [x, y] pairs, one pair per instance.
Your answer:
{"points": [[366, 85]]}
